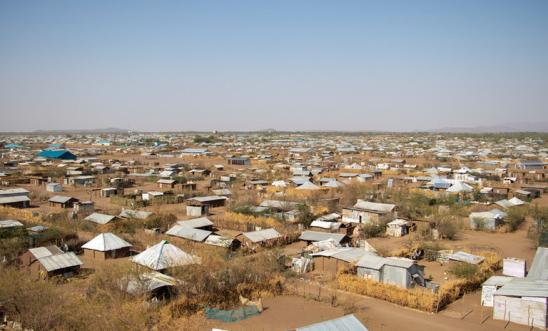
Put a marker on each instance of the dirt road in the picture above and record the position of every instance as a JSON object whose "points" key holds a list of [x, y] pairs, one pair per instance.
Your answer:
{"points": [[287, 312]]}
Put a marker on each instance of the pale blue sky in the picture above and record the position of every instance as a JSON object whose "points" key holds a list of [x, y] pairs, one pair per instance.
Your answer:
{"points": [[293, 65]]}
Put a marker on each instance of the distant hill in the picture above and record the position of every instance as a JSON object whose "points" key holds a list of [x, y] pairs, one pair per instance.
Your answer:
{"points": [[507, 127]]}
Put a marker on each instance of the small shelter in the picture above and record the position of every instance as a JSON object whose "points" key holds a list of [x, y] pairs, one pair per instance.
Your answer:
{"points": [[522, 301], [266, 237], [197, 223], [58, 154], [106, 245], [401, 272], [332, 261], [368, 212], [45, 262], [54, 187], [487, 220], [164, 255], [15, 197], [210, 201], [397, 228], [100, 218], [154, 284], [315, 236], [188, 233], [10, 224], [489, 287], [62, 201]]}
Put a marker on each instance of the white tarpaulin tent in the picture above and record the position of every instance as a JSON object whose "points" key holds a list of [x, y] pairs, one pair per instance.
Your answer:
{"points": [[164, 255]]}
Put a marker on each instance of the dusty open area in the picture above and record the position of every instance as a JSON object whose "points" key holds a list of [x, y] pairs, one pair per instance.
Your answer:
{"points": [[162, 232]]}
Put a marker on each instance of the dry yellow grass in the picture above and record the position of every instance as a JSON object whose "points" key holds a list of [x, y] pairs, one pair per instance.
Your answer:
{"points": [[419, 298], [413, 298], [257, 220], [20, 214]]}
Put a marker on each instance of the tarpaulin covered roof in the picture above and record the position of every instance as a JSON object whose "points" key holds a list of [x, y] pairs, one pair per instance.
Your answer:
{"points": [[59, 154], [164, 255]]}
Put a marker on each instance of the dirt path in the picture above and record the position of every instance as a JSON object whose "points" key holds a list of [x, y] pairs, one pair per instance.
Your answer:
{"points": [[288, 312]]}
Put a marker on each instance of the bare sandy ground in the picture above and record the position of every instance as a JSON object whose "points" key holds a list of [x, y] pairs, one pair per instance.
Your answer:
{"points": [[288, 312]]}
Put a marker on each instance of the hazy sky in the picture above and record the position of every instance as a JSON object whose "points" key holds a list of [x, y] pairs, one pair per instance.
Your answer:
{"points": [[244, 65]]}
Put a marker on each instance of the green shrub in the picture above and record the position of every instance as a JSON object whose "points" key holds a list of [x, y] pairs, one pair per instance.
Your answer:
{"points": [[464, 270], [373, 230], [516, 216], [431, 250], [160, 221], [447, 229]]}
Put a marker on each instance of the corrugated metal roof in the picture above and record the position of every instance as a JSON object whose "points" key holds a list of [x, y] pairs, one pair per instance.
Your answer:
{"points": [[223, 191], [539, 267], [100, 218], [14, 199], [165, 181], [348, 254], [497, 281], [105, 242], [188, 233], [320, 236], [262, 235], [40, 252], [519, 287], [208, 198], [60, 199], [466, 257], [10, 224], [398, 221], [196, 222], [374, 206], [278, 204], [345, 323], [373, 261], [60, 261], [308, 186], [14, 191], [195, 150]]}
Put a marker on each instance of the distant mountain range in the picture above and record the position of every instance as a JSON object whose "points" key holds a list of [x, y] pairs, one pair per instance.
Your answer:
{"points": [[497, 128], [506, 127]]}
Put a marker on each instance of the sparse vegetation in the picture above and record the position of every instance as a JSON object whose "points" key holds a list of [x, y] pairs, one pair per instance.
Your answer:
{"points": [[516, 216], [204, 139], [464, 270]]}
